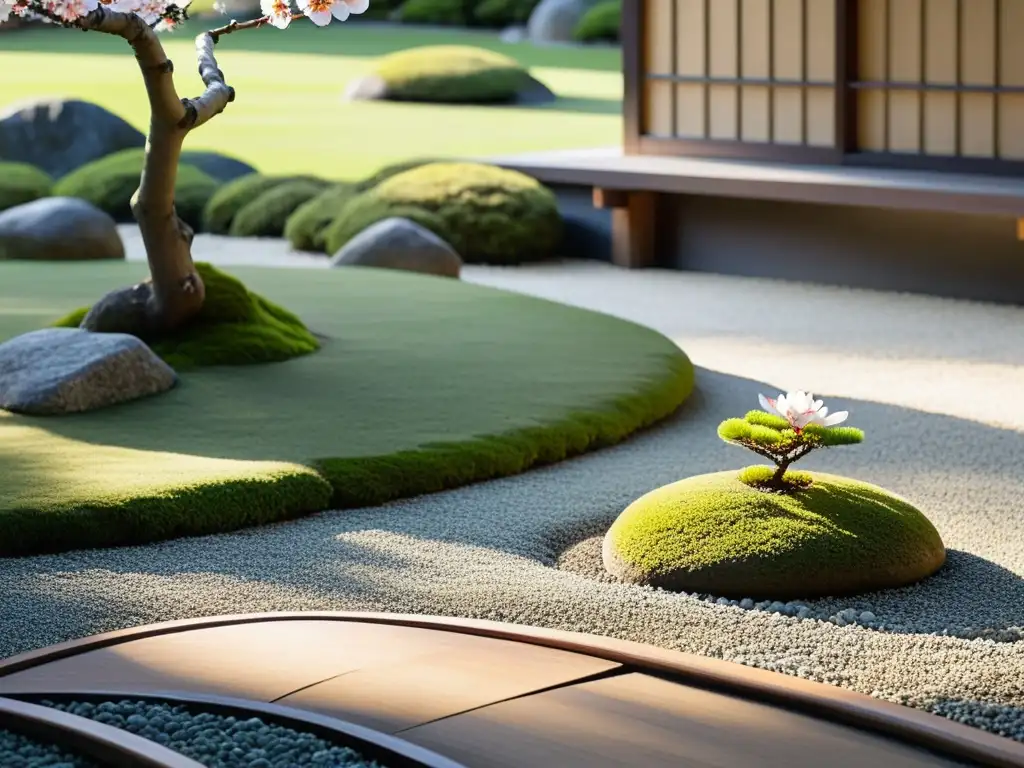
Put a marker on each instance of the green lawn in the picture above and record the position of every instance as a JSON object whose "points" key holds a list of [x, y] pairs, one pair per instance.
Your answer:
{"points": [[421, 384], [288, 117]]}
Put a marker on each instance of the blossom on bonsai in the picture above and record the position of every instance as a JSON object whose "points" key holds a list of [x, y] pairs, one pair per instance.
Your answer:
{"points": [[790, 427], [175, 292]]}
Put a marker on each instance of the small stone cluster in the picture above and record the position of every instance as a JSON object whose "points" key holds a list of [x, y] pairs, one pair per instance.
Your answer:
{"points": [[218, 740], [17, 751]]}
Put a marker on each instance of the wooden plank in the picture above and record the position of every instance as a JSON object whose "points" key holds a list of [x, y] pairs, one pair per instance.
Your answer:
{"points": [[836, 185], [638, 720], [393, 697], [634, 230], [256, 661]]}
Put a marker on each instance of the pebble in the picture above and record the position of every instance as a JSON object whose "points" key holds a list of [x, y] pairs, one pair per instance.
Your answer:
{"points": [[17, 751], [215, 740]]}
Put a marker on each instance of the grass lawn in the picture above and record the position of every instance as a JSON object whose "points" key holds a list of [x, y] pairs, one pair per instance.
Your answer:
{"points": [[421, 384], [288, 116]]}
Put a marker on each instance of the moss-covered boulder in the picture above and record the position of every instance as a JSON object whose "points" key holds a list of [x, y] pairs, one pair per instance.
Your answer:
{"points": [[720, 534], [234, 327], [489, 215], [110, 182], [449, 74], [267, 215], [600, 24], [21, 183], [305, 227], [230, 198]]}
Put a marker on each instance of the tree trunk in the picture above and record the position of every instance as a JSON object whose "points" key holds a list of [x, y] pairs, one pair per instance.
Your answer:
{"points": [[174, 293]]}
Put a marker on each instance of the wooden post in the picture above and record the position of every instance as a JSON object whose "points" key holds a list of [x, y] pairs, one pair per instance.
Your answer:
{"points": [[633, 225]]}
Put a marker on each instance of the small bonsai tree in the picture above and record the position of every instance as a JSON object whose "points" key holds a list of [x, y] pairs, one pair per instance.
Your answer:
{"points": [[175, 292], [789, 428]]}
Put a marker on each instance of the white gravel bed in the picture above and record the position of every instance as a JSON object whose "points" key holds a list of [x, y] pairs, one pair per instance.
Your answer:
{"points": [[935, 385]]}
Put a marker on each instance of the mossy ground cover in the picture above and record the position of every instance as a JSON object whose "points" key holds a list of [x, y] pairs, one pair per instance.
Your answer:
{"points": [[420, 384], [716, 534]]}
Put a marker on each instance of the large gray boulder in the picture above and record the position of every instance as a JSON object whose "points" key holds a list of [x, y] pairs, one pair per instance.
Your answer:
{"points": [[60, 135], [59, 229], [398, 243], [68, 370], [554, 21]]}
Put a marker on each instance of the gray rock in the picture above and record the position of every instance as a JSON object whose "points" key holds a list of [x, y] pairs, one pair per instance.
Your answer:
{"points": [[69, 370], [221, 167], [60, 135], [398, 243], [554, 21], [59, 229]]}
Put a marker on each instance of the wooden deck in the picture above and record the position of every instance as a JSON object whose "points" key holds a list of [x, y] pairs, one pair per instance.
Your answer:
{"points": [[497, 696], [609, 168]]}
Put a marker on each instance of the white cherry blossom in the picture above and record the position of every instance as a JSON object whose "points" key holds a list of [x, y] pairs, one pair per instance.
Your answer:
{"points": [[800, 409]]}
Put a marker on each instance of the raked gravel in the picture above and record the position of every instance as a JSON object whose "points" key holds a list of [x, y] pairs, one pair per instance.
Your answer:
{"points": [[935, 384]]}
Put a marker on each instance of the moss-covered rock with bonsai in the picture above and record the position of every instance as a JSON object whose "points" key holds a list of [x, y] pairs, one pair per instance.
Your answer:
{"points": [[489, 215], [772, 532]]}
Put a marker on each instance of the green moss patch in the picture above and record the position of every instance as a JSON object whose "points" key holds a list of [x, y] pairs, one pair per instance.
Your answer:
{"points": [[22, 183], [489, 215], [234, 327], [307, 223], [717, 534], [222, 207], [420, 384], [451, 74], [305, 228], [267, 215], [110, 182]]}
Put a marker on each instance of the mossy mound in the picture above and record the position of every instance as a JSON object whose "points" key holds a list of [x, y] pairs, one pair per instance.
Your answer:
{"points": [[489, 215], [110, 182], [222, 207], [267, 215], [234, 327], [503, 13], [717, 534], [454, 13], [601, 23], [305, 227], [449, 74], [22, 183]]}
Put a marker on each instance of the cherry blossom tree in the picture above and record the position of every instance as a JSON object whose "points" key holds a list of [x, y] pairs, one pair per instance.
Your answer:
{"points": [[174, 293]]}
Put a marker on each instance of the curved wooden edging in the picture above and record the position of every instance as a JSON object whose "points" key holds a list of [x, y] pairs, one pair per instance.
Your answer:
{"points": [[391, 750], [912, 726], [103, 743]]}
